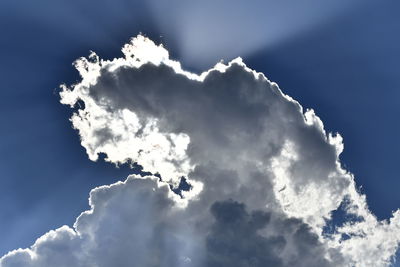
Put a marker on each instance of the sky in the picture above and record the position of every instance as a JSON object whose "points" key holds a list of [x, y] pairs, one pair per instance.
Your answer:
{"points": [[340, 59]]}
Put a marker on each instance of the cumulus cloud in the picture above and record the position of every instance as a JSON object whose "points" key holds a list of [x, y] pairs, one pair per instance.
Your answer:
{"points": [[264, 175]]}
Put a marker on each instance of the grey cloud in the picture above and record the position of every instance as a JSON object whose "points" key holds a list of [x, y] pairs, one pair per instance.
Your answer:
{"points": [[232, 118], [235, 240], [138, 223], [237, 121], [130, 224], [264, 175]]}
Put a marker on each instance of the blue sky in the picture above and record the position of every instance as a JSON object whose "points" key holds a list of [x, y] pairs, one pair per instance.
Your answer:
{"points": [[341, 60]]}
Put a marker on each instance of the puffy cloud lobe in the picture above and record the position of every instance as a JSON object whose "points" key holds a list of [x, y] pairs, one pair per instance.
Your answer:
{"points": [[265, 176], [140, 222], [127, 222]]}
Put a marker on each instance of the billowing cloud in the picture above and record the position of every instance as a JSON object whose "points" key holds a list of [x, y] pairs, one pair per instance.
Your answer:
{"points": [[264, 175]]}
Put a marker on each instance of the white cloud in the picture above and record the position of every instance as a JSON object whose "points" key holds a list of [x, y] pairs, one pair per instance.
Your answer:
{"points": [[262, 172]]}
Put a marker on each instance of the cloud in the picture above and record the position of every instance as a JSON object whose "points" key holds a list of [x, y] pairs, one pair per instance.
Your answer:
{"points": [[234, 240], [127, 222], [264, 175]]}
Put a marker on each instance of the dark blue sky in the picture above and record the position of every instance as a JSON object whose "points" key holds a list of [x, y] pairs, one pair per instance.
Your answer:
{"points": [[341, 60]]}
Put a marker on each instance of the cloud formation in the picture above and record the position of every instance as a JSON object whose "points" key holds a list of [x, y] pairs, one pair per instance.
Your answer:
{"points": [[264, 175]]}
